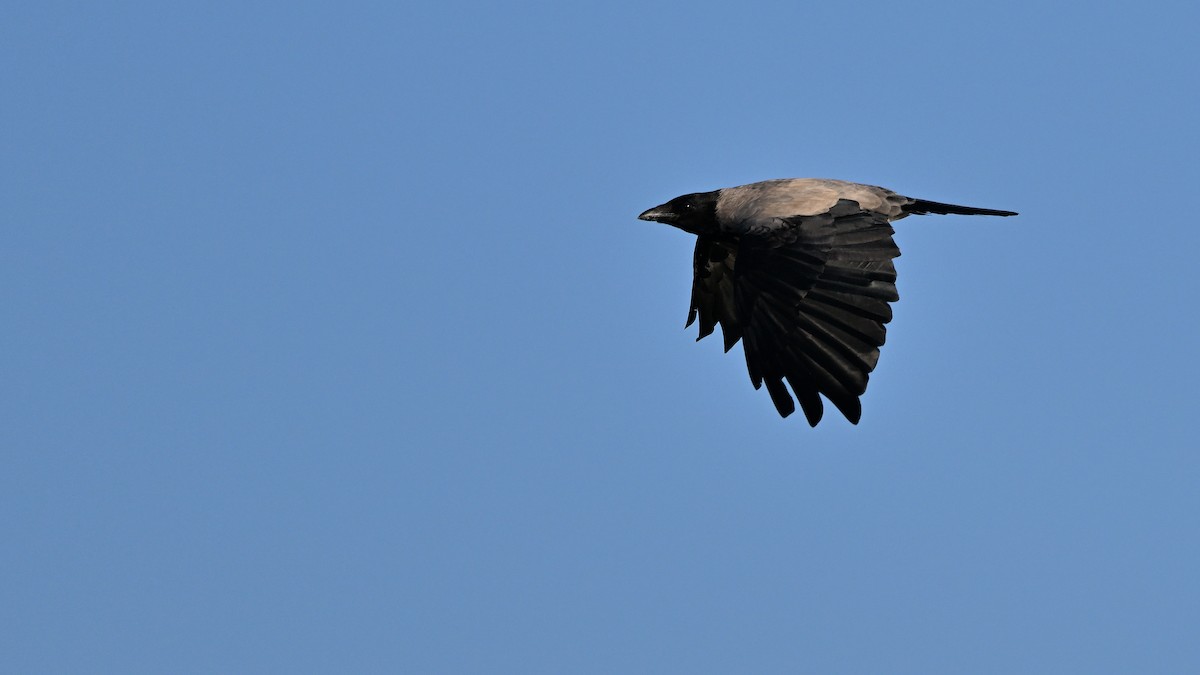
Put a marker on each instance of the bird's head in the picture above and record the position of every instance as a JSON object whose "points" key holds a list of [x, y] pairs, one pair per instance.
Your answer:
{"points": [[695, 213]]}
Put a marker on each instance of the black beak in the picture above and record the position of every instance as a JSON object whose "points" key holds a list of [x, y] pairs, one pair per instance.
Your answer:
{"points": [[659, 213]]}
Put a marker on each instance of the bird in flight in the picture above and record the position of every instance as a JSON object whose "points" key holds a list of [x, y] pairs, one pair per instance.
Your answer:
{"points": [[800, 270]]}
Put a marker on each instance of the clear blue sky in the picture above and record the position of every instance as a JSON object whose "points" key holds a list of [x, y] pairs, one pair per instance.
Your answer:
{"points": [[331, 341]]}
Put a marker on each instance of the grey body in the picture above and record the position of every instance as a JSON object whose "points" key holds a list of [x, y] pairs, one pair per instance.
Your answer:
{"points": [[800, 270]]}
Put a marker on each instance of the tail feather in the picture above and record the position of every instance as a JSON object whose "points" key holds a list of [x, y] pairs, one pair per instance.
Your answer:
{"points": [[922, 207]]}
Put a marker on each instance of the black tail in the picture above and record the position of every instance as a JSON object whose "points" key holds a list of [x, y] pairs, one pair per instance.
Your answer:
{"points": [[922, 207]]}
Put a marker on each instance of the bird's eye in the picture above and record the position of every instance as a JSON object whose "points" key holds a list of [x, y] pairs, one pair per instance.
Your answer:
{"points": [[687, 205]]}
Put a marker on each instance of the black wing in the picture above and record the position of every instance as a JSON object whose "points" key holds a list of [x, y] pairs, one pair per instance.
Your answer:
{"points": [[810, 311], [712, 289]]}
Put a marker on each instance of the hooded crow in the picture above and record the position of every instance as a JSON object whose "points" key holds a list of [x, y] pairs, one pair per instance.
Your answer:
{"points": [[800, 270]]}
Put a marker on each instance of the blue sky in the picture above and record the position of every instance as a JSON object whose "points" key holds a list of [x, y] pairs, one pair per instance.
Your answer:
{"points": [[332, 344]]}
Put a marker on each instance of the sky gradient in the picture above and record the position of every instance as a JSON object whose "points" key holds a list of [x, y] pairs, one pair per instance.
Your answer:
{"points": [[332, 343]]}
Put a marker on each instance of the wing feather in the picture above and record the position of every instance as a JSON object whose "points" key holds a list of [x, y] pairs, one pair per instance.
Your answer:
{"points": [[809, 299]]}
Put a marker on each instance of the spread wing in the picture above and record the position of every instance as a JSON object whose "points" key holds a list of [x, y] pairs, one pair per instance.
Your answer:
{"points": [[809, 303]]}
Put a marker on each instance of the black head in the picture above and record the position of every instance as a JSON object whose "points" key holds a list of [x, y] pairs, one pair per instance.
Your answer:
{"points": [[695, 213]]}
